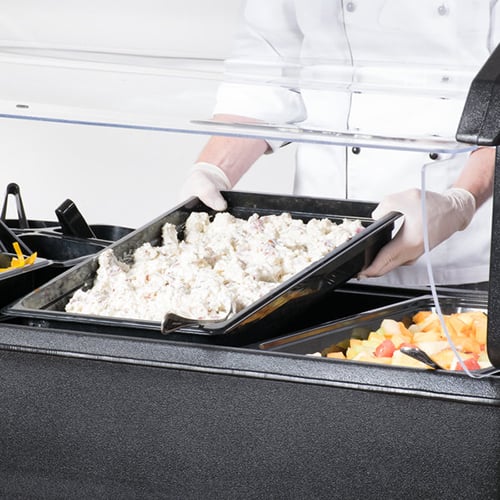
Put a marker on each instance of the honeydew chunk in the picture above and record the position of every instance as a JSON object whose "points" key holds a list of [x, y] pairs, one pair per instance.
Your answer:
{"points": [[433, 347], [401, 359]]}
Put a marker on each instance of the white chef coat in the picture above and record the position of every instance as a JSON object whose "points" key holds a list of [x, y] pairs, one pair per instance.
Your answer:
{"points": [[310, 37]]}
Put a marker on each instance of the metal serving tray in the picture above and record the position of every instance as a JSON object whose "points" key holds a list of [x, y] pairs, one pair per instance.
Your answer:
{"points": [[265, 317], [320, 337]]}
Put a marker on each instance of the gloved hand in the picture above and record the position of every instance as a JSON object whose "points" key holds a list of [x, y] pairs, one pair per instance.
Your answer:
{"points": [[447, 213], [206, 181]]}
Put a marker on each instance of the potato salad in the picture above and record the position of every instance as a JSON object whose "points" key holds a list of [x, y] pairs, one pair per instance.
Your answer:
{"points": [[219, 268]]}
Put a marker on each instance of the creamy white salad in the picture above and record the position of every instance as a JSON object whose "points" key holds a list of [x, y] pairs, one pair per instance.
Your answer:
{"points": [[220, 267]]}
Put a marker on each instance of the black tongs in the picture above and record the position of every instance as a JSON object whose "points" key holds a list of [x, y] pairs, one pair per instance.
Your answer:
{"points": [[14, 190], [72, 221], [8, 237]]}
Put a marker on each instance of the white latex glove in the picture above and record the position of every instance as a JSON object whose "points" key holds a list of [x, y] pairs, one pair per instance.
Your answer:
{"points": [[206, 181], [447, 213]]}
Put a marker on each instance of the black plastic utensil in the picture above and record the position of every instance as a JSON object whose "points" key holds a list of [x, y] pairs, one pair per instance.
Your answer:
{"points": [[8, 237], [14, 190], [72, 221], [172, 322], [419, 355]]}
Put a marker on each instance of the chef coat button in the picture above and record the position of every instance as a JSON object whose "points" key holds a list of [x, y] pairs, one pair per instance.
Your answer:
{"points": [[433, 156], [443, 10], [350, 7], [355, 150]]}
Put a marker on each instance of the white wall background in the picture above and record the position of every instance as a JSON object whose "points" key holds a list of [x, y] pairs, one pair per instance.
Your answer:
{"points": [[115, 176]]}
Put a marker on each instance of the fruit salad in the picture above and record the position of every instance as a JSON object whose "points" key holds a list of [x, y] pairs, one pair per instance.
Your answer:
{"points": [[467, 330]]}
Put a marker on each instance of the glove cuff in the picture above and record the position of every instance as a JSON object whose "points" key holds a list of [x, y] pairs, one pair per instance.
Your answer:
{"points": [[464, 202], [223, 181]]}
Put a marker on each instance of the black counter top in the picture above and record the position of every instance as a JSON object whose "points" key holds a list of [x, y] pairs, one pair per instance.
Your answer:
{"points": [[250, 362]]}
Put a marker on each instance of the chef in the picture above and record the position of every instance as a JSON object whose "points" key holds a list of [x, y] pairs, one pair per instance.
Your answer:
{"points": [[400, 63]]}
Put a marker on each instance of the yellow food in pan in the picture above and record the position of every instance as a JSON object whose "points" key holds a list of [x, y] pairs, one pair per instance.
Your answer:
{"points": [[20, 260]]}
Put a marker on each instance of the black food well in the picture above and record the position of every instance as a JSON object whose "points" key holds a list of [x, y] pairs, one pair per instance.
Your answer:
{"points": [[17, 282], [338, 332], [63, 251], [265, 317]]}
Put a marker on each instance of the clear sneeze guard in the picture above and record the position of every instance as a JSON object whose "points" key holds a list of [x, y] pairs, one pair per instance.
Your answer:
{"points": [[155, 68]]}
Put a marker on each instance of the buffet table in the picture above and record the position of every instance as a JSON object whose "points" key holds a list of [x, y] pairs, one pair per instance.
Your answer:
{"points": [[100, 415], [96, 412]]}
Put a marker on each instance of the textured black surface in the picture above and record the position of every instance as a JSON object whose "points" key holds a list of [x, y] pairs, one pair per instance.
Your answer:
{"points": [[494, 291], [480, 119], [98, 415], [77, 428], [480, 124]]}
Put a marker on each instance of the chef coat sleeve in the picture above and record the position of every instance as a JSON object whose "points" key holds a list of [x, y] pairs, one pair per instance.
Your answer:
{"points": [[260, 74]]}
